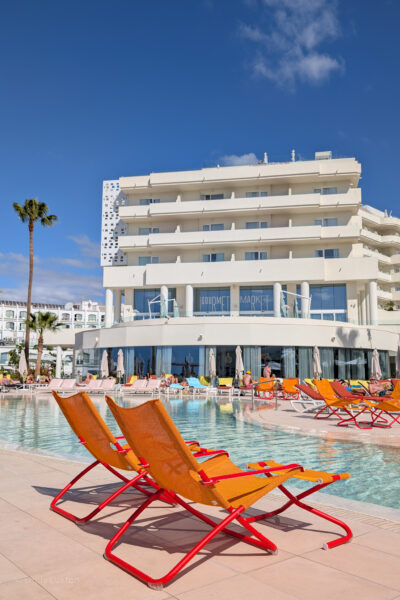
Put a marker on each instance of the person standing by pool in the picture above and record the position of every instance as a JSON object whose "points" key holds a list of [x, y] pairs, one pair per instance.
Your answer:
{"points": [[267, 371]]}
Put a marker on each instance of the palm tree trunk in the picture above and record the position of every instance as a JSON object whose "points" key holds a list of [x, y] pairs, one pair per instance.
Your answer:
{"points": [[39, 355], [28, 303]]}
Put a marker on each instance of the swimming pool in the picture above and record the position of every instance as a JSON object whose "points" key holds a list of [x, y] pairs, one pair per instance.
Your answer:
{"points": [[375, 470]]}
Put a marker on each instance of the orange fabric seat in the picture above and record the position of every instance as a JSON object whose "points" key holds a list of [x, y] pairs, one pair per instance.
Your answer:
{"points": [[153, 436]]}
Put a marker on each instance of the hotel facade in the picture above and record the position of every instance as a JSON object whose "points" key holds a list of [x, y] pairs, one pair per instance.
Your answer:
{"points": [[274, 257]]}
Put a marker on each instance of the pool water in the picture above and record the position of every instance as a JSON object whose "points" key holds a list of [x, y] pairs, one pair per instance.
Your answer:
{"points": [[375, 470]]}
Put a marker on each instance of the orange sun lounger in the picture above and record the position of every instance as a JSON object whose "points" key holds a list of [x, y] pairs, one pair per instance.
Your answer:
{"points": [[93, 433], [153, 436], [346, 410]]}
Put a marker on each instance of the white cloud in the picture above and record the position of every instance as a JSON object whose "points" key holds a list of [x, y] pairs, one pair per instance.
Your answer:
{"points": [[49, 284], [87, 246], [289, 49], [243, 159]]}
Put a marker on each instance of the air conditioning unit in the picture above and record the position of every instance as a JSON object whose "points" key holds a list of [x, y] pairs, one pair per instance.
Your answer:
{"points": [[326, 155]]}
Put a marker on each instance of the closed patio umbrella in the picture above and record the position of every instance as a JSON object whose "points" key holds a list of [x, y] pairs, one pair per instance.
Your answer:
{"points": [[120, 364], [239, 368], [104, 372], [398, 359], [211, 365], [22, 367], [375, 366], [316, 364]]}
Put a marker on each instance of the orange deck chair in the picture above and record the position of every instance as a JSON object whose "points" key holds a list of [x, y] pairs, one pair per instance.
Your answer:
{"points": [[153, 436], [93, 433], [289, 389], [341, 408]]}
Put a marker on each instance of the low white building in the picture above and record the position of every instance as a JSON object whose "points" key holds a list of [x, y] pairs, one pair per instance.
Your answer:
{"points": [[275, 257], [83, 315]]}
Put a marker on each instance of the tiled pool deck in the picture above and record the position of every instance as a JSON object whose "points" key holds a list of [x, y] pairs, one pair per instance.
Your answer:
{"points": [[288, 419], [44, 556]]}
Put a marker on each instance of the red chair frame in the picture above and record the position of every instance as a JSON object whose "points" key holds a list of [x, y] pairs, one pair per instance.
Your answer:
{"points": [[259, 540]]}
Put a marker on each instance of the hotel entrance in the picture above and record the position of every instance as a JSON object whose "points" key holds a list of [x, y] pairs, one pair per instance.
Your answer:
{"points": [[225, 360]]}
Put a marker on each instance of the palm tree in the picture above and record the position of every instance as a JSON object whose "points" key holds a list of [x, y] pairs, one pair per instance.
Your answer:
{"points": [[31, 212], [41, 322]]}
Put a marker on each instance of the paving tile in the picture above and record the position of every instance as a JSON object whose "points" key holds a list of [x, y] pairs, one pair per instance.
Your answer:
{"points": [[381, 540], [95, 580], [308, 581], [43, 552], [23, 589], [235, 588], [374, 565], [8, 571]]}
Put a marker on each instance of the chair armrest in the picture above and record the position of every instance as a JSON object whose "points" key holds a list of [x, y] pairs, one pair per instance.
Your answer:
{"points": [[212, 480], [206, 452]]}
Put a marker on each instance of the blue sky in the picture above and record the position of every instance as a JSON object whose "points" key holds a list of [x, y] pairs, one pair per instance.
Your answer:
{"points": [[97, 90]]}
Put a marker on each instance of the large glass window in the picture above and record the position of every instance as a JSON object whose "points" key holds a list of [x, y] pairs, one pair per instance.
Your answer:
{"points": [[92, 318], [147, 201], [214, 227], [325, 190], [256, 300], [211, 196], [22, 314], [142, 299], [185, 361], [328, 302], [256, 225], [255, 194], [327, 253], [255, 256], [9, 314], [148, 230], [212, 300], [148, 260], [10, 326], [78, 317], [214, 257], [326, 222]]}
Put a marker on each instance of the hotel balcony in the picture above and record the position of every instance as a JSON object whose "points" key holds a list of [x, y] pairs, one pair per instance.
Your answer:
{"points": [[300, 202], [243, 272], [229, 237]]}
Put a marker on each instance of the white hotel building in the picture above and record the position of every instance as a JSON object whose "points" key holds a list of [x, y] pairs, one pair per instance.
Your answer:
{"points": [[274, 257]]}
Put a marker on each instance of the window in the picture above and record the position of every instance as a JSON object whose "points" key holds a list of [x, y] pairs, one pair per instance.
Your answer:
{"points": [[142, 298], [214, 227], [9, 314], [148, 260], [10, 326], [256, 299], [328, 302], [148, 230], [22, 327], [78, 326], [326, 190], [92, 318], [22, 314], [326, 222], [257, 225], [65, 317], [214, 257], [256, 194], [78, 317], [147, 201], [327, 253], [212, 300], [255, 256], [211, 196]]}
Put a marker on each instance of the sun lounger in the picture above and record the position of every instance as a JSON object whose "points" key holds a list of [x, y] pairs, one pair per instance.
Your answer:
{"points": [[93, 433], [346, 410], [54, 384], [194, 384], [289, 390], [266, 388], [309, 399], [217, 481], [153, 385], [68, 385], [138, 387], [107, 385]]}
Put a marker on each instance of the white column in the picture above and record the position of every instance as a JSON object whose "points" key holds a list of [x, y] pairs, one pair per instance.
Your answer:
{"points": [[363, 303], [129, 297], [235, 300], [58, 362], [305, 302], [109, 308], [189, 301], [117, 303], [163, 301], [277, 299], [373, 302]]}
